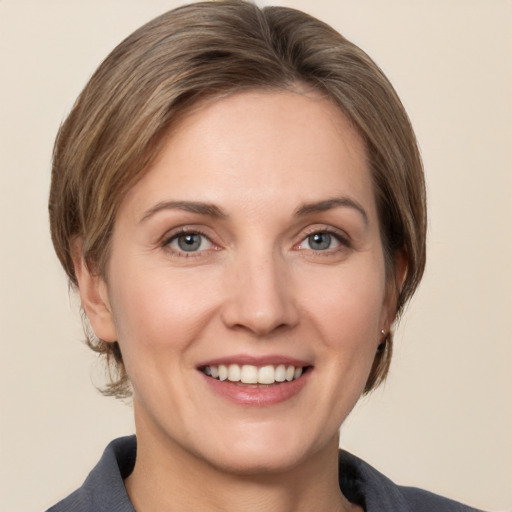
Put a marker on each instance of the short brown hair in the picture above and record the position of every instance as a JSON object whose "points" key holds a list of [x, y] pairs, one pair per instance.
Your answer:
{"points": [[207, 50]]}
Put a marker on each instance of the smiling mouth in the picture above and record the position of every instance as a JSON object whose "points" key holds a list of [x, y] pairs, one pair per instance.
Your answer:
{"points": [[250, 374]]}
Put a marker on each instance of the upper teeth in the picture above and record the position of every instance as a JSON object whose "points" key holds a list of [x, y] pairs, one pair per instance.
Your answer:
{"points": [[249, 374]]}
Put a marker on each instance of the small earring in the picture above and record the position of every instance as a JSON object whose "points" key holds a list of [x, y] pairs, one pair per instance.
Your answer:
{"points": [[382, 344]]}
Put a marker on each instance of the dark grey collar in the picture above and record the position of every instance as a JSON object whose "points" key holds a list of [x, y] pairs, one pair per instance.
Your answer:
{"points": [[104, 490]]}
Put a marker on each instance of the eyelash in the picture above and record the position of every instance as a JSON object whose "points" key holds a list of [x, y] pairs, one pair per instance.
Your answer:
{"points": [[342, 239], [166, 243]]}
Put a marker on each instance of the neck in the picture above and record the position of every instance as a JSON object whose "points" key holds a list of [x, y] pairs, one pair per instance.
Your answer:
{"points": [[167, 477]]}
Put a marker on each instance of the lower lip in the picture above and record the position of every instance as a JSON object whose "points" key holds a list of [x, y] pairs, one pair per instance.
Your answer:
{"points": [[257, 396]]}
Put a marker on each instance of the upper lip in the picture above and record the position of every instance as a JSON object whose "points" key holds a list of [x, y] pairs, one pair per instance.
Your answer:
{"points": [[265, 360]]}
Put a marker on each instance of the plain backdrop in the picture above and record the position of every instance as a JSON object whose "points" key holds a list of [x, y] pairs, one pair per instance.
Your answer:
{"points": [[443, 421]]}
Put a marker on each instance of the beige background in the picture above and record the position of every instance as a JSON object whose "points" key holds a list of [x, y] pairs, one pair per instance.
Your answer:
{"points": [[444, 419]]}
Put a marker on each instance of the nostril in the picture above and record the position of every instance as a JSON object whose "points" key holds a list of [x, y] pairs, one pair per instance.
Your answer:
{"points": [[258, 296]]}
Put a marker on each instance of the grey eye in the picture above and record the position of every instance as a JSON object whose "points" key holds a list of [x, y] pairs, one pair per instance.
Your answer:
{"points": [[319, 241], [190, 242]]}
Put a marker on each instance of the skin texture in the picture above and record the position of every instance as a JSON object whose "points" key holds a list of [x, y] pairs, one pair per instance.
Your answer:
{"points": [[257, 286]]}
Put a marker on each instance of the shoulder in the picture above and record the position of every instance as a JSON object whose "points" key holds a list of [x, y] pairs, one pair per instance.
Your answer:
{"points": [[420, 500], [364, 485], [103, 490], [78, 501]]}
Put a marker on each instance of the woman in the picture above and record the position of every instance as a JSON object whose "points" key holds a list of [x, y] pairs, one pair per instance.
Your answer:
{"points": [[239, 199]]}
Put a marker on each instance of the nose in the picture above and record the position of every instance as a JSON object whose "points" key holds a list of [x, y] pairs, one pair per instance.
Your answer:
{"points": [[260, 297]]}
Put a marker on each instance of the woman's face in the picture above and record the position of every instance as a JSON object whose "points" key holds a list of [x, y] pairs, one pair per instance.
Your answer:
{"points": [[249, 253]]}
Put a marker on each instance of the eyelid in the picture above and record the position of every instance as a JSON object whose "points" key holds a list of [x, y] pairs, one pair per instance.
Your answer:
{"points": [[340, 234], [174, 234]]}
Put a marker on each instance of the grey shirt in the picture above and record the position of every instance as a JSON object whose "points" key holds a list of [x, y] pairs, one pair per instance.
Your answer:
{"points": [[104, 490]]}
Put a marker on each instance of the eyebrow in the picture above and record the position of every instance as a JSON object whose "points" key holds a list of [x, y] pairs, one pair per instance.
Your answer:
{"points": [[188, 206], [214, 211], [329, 204]]}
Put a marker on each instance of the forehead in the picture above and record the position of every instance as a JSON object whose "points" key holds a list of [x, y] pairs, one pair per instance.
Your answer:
{"points": [[259, 146]]}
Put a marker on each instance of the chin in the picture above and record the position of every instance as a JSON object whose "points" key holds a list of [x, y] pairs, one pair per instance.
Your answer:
{"points": [[265, 453], [257, 461]]}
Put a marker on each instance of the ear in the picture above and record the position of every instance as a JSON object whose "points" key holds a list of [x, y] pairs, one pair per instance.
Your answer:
{"points": [[395, 284], [94, 296]]}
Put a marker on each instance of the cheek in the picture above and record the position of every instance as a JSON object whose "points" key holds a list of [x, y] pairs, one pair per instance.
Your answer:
{"points": [[349, 320], [156, 310], [348, 305]]}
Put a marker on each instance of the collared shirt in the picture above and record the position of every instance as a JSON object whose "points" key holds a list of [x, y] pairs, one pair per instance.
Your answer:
{"points": [[104, 490]]}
